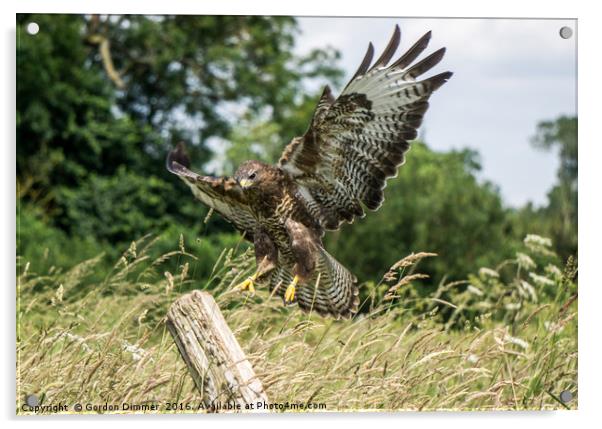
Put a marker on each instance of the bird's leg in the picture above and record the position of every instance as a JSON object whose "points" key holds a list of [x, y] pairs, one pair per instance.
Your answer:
{"points": [[289, 295], [304, 245], [266, 258]]}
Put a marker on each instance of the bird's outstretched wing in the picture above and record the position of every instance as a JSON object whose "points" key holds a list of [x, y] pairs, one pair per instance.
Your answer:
{"points": [[223, 194], [358, 141]]}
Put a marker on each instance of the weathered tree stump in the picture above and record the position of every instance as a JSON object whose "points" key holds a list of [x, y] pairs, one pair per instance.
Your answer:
{"points": [[217, 364]]}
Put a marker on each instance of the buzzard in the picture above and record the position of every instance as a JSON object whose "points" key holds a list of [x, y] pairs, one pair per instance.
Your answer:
{"points": [[353, 144]]}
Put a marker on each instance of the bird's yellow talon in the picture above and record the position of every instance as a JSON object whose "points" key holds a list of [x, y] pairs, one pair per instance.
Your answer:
{"points": [[248, 284], [289, 295]]}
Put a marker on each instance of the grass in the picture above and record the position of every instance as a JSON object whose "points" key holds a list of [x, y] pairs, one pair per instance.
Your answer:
{"points": [[506, 338]]}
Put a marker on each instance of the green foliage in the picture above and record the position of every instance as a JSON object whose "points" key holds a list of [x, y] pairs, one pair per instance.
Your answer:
{"points": [[115, 208], [561, 212], [561, 133], [64, 120], [43, 246], [506, 294], [195, 65], [558, 219], [252, 139], [47, 249]]}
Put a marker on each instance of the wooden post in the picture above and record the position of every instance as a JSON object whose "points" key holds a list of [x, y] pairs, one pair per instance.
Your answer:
{"points": [[217, 364]]}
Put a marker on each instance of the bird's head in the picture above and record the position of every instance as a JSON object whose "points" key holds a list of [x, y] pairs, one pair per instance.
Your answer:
{"points": [[251, 174]]}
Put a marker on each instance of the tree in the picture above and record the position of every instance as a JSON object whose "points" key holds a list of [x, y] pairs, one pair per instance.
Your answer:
{"points": [[101, 99], [559, 217]]}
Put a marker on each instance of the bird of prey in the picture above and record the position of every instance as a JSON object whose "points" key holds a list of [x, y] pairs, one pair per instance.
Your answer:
{"points": [[325, 177]]}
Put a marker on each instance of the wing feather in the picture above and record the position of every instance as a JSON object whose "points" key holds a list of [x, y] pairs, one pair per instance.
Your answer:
{"points": [[389, 51], [363, 68], [413, 53], [358, 141], [223, 194]]}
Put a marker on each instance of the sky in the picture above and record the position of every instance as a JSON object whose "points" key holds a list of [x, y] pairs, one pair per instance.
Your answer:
{"points": [[509, 74]]}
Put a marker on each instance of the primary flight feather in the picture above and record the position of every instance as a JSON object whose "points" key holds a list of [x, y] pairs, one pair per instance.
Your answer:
{"points": [[354, 143]]}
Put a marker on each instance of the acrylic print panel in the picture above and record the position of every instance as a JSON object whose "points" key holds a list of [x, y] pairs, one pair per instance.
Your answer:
{"points": [[161, 271]]}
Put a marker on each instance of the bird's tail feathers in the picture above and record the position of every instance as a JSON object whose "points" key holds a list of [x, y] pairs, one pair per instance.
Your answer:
{"points": [[332, 289]]}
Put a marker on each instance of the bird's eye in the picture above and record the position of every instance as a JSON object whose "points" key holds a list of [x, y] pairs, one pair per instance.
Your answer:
{"points": [[252, 176]]}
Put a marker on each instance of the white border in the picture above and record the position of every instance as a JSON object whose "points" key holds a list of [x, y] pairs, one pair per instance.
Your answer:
{"points": [[590, 214]]}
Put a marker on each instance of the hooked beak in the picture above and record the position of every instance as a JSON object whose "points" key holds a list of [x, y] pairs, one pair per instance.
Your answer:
{"points": [[245, 183]]}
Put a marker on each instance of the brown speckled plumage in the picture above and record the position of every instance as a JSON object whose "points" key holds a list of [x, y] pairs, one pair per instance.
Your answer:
{"points": [[353, 145]]}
